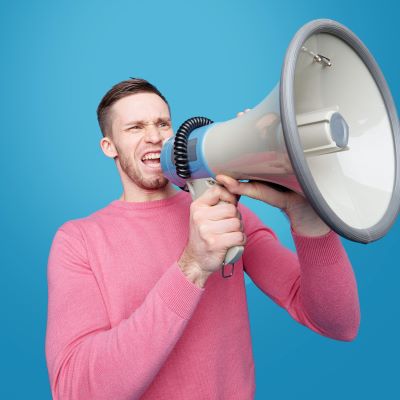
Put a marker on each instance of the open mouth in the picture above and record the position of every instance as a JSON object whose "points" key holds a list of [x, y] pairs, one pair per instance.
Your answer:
{"points": [[151, 159]]}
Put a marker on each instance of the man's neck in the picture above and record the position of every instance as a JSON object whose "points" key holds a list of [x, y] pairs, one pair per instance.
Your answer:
{"points": [[141, 195]]}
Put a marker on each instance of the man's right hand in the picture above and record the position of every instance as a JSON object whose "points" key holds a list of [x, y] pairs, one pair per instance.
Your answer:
{"points": [[214, 228]]}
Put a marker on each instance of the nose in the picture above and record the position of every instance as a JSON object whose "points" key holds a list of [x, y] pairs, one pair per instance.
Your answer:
{"points": [[153, 134]]}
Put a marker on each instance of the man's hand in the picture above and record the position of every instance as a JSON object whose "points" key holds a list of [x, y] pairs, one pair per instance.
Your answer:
{"points": [[302, 216], [214, 228]]}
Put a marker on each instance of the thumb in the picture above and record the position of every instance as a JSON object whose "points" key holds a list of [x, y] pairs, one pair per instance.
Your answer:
{"points": [[216, 194], [234, 186]]}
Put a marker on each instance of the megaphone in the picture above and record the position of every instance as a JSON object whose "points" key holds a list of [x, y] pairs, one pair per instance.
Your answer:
{"points": [[329, 130]]}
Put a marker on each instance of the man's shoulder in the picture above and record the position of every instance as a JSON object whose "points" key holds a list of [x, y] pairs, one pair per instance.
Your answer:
{"points": [[76, 226]]}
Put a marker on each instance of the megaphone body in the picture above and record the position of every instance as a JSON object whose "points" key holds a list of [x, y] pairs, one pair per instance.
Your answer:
{"points": [[329, 131]]}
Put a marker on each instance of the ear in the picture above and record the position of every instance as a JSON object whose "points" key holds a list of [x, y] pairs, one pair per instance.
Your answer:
{"points": [[108, 147]]}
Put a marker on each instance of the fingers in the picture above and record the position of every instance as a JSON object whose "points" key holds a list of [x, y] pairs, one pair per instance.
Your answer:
{"points": [[224, 226], [223, 211], [216, 220], [232, 239], [255, 190], [225, 241], [215, 195], [233, 185]]}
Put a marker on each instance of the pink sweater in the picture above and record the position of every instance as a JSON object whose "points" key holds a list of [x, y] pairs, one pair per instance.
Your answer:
{"points": [[125, 323]]}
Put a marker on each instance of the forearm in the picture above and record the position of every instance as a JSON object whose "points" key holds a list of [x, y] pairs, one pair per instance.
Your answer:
{"points": [[121, 362], [316, 285], [327, 298], [304, 221]]}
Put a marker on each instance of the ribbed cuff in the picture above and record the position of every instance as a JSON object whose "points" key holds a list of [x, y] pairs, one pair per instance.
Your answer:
{"points": [[319, 250], [178, 293]]}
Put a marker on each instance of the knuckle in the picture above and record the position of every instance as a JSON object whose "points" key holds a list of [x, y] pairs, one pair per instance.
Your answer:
{"points": [[237, 225], [238, 238], [229, 197], [217, 190], [203, 229], [233, 196], [210, 240]]}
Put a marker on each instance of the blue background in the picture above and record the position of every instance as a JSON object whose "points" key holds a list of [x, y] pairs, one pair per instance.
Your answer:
{"points": [[210, 58]]}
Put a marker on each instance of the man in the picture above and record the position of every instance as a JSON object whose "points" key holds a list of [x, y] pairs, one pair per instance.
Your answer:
{"points": [[137, 306]]}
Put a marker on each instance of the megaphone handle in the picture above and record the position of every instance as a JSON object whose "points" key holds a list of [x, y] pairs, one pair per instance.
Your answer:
{"points": [[196, 188]]}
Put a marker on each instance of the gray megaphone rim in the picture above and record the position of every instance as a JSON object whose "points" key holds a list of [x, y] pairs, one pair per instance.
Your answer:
{"points": [[292, 139]]}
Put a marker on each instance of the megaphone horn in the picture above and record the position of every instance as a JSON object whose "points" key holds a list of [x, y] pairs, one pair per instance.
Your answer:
{"points": [[329, 130]]}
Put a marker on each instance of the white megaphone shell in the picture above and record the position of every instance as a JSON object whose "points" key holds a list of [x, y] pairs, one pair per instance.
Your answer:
{"points": [[329, 130]]}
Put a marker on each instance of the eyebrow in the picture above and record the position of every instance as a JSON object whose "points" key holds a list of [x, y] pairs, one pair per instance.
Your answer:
{"points": [[142, 122]]}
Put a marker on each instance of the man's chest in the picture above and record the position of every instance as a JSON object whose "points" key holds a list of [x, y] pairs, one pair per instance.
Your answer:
{"points": [[131, 259]]}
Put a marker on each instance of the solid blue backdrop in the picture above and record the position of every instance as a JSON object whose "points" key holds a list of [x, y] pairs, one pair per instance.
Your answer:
{"points": [[210, 58]]}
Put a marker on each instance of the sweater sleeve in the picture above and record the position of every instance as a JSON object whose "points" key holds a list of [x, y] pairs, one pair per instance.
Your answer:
{"points": [[86, 357], [316, 286]]}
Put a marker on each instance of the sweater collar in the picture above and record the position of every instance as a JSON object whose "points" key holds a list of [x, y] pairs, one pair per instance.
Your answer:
{"points": [[178, 198]]}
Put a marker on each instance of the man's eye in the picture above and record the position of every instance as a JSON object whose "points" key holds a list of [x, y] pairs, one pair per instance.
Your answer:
{"points": [[163, 124], [135, 128]]}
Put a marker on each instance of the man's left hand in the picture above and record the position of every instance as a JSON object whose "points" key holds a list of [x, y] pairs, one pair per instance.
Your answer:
{"points": [[304, 220]]}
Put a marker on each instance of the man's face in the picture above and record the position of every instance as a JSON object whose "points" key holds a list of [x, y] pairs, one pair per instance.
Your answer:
{"points": [[140, 124]]}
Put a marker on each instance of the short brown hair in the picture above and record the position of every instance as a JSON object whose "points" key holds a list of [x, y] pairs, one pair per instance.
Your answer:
{"points": [[119, 91]]}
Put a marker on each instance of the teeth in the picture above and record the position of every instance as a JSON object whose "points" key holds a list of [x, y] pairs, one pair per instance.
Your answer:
{"points": [[151, 156]]}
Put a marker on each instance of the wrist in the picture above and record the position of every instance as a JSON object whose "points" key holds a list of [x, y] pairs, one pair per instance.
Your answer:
{"points": [[304, 221], [315, 229], [193, 271]]}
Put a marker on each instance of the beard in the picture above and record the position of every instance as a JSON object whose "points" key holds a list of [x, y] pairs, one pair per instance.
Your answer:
{"points": [[132, 170]]}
